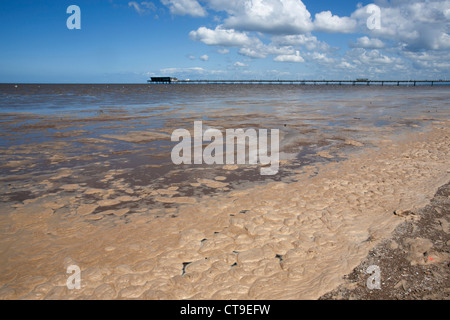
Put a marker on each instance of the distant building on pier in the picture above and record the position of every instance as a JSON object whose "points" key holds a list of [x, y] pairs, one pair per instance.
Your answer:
{"points": [[162, 80]]}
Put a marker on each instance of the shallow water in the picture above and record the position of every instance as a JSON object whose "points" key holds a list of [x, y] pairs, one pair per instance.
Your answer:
{"points": [[58, 98], [74, 123]]}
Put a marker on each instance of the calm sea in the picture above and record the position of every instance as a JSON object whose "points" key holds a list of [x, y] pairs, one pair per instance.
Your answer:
{"points": [[55, 99]]}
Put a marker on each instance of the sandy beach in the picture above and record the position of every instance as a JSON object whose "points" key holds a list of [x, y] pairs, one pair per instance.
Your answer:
{"points": [[225, 157], [201, 234]]}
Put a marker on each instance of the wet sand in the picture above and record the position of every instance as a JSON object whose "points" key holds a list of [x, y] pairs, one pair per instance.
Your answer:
{"points": [[277, 240], [98, 190]]}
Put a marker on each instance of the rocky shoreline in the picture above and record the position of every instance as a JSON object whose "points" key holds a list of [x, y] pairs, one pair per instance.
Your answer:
{"points": [[414, 263]]}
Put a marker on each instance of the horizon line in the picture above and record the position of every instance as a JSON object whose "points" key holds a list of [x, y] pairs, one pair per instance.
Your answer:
{"points": [[225, 81]]}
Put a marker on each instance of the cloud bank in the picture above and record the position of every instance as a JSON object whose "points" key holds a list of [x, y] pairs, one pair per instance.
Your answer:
{"points": [[411, 36]]}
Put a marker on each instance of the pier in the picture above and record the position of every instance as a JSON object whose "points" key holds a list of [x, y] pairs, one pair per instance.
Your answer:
{"points": [[305, 82]]}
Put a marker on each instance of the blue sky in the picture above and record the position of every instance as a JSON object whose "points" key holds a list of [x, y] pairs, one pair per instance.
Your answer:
{"points": [[122, 41]]}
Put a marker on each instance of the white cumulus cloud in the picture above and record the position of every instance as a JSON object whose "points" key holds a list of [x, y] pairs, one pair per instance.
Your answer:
{"points": [[327, 22], [256, 53], [268, 16], [240, 64], [221, 37], [308, 41], [185, 7], [368, 43], [223, 51], [290, 57]]}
